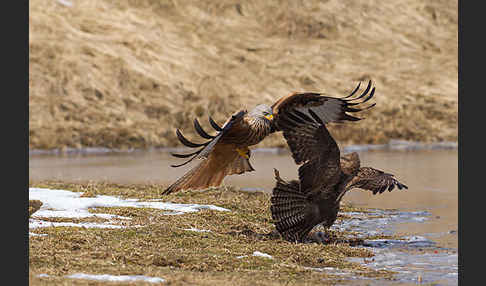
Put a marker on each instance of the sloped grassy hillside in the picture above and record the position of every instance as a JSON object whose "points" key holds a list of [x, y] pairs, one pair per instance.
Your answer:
{"points": [[123, 74]]}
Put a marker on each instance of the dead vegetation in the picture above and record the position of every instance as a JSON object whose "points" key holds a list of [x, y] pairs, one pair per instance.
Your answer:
{"points": [[34, 205], [160, 245], [125, 74]]}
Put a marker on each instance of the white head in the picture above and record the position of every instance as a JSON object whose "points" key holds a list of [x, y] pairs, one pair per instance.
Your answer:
{"points": [[262, 111]]}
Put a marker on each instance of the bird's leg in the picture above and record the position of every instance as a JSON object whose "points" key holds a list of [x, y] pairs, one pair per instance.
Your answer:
{"points": [[319, 237], [243, 152]]}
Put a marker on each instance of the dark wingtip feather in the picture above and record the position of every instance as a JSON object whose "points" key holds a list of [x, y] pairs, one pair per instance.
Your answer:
{"points": [[182, 164], [365, 92], [181, 155], [354, 91], [201, 131], [372, 93], [186, 142], [214, 124], [186, 155]]}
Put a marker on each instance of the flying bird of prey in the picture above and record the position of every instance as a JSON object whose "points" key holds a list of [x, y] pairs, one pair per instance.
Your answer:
{"points": [[227, 152], [324, 177]]}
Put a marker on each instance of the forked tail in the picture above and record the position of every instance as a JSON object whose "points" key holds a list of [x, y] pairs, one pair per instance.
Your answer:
{"points": [[209, 174]]}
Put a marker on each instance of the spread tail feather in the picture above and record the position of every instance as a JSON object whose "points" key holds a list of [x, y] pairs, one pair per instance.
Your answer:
{"points": [[289, 207], [203, 176], [197, 178]]}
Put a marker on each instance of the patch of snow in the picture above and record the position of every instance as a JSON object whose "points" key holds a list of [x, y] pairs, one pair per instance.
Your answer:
{"points": [[197, 230], [43, 275], [257, 253], [62, 203], [116, 278], [77, 213], [261, 254], [37, 234], [40, 223], [65, 3]]}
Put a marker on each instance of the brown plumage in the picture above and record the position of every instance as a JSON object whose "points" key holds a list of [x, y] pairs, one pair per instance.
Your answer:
{"points": [[324, 177], [227, 152]]}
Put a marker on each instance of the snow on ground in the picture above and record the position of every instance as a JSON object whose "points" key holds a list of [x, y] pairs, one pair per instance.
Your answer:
{"points": [[257, 253], [196, 229], [261, 254], [37, 234], [67, 204], [116, 278], [111, 278]]}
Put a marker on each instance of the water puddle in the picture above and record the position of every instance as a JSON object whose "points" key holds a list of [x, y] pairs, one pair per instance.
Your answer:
{"points": [[414, 258], [424, 217]]}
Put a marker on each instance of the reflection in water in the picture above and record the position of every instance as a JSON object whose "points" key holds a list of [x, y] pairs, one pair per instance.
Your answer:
{"points": [[431, 175]]}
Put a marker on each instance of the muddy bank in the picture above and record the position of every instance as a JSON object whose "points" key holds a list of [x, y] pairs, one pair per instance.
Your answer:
{"points": [[124, 75], [395, 145]]}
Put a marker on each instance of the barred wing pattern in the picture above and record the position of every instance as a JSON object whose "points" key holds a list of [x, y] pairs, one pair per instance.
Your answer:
{"points": [[295, 205], [375, 181], [328, 109]]}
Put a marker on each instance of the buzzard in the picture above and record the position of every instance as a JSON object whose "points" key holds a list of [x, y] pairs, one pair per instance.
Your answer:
{"points": [[227, 152], [324, 177]]}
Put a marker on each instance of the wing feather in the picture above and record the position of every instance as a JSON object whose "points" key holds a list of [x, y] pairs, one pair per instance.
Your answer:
{"points": [[328, 109], [313, 147], [375, 181], [233, 128]]}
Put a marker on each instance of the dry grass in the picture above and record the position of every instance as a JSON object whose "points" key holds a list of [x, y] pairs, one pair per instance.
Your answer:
{"points": [[125, 74], [34, 205], [161, 247]]}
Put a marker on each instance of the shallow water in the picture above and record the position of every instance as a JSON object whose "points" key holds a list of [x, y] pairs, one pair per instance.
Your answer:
{"points": [[427, 211]]}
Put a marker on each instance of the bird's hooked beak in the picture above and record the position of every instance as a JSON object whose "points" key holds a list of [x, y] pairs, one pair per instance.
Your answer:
{"points": [[269, 117]]}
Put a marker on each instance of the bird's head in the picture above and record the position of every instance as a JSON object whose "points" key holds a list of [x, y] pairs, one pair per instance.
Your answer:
{"points": [[262, 111]]}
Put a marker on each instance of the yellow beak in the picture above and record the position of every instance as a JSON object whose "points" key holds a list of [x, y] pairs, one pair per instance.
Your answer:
{"points": [[269, 117]]}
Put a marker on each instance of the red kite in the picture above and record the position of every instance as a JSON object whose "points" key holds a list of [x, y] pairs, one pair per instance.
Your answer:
{"points": [[227, 152]]}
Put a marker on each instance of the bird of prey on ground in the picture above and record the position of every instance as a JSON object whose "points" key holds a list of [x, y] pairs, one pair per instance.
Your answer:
{"points": [[227, 152], [324, 177]]}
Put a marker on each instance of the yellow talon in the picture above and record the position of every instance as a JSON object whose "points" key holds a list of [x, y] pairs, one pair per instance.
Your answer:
{"points": [[242, 153]]}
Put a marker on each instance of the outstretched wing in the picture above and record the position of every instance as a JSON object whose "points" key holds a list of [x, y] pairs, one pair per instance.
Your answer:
{"points": [[374, 180], [328, 109], [313, 146], [234, 127], [219, 154], [294, 210]]}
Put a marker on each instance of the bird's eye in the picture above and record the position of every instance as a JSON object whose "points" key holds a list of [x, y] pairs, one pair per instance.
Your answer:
{"points": [[265, 113]]}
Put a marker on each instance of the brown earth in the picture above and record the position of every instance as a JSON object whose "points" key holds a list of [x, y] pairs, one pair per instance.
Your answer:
{"points": [[125, 74]]}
